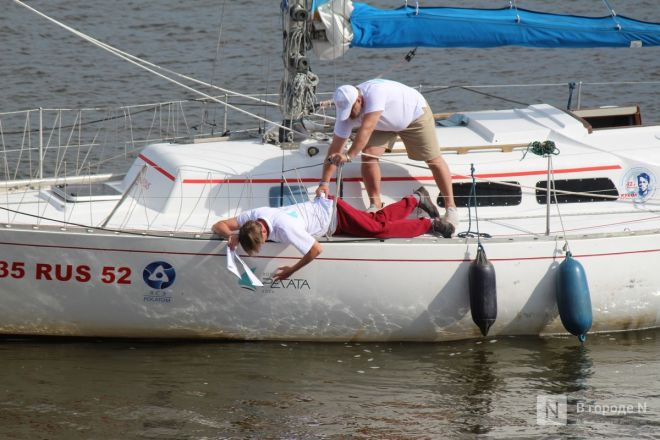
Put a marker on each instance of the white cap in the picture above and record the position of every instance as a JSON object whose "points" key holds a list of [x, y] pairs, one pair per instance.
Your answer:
{"points": [[345, 97]]}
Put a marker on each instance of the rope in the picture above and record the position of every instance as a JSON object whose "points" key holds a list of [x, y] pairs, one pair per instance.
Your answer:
{"points": [[549, 149], [542, 149], [89, 227], [298, 87], [472, 89], [406, 59], [490, 95], [567, 247], [141, 63], [298, 96], [513, 5], [473, 204], [613, 14]]}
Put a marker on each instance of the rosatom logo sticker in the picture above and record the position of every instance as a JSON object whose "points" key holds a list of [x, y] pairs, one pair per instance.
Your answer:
{"points": [[639, 185], [159, 275]]}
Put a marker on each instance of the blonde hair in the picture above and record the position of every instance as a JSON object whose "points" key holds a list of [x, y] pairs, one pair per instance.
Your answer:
{"points": [[250, 238]]}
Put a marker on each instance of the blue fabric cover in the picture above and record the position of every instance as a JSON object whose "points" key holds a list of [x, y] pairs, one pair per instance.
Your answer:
{"points": [[462, 27]]}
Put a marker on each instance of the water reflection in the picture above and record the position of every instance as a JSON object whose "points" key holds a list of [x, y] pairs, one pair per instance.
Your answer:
{"points": [[290, 390], [479, 405], [568, 367]]}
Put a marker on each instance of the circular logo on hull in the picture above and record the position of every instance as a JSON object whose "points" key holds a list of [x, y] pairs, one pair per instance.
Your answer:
{"points": [[639, 184], [159, 275]]}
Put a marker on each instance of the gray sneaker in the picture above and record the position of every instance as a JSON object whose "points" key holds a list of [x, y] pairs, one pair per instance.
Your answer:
{"points": [[442, 228], [425, 202]]}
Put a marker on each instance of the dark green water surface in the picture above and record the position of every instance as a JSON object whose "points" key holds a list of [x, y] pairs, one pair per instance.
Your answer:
{"points": [[185, 390]]}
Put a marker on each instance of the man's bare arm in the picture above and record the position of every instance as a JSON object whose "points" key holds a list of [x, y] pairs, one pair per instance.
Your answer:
{"points": [[328, 168], [364, 133], [284, 272], [227, 230]]}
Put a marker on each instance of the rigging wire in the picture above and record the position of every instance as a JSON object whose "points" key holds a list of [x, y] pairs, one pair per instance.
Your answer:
{"points": [[218, 48], [613, 14], [490, 95], [472, 89], [146, 65], [407, 58]]}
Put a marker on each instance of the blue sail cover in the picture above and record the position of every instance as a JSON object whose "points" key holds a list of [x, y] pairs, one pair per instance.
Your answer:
{"points": [[462, 27]]}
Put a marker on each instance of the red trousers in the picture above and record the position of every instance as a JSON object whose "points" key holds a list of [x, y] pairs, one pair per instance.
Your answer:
{"points": [[389, 222]]}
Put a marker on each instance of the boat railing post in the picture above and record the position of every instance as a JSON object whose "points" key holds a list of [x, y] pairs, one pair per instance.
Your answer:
{"points": [[547, 199], [41, 143], [63, 228], [579, 95], [333, 217], [224, 125]]}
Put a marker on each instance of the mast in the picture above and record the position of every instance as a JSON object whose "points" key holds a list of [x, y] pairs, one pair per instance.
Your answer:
{"points": [[298, 87]]}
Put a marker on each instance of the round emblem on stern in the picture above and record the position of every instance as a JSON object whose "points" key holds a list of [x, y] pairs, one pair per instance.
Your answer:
{"points": [[159, 275]]}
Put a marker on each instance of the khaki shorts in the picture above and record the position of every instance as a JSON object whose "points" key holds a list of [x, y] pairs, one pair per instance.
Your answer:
{"points": [[419, 138]]}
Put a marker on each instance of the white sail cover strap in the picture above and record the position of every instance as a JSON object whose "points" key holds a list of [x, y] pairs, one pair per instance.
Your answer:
{"points": [[335, 17]]}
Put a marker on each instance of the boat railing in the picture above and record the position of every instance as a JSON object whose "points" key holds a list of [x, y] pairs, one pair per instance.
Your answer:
{"points": [[42, 143], [39, 145]]}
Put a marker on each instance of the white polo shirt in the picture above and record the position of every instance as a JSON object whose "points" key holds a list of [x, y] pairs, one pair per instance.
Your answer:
{"points": [[400, 104], [297, 224]]}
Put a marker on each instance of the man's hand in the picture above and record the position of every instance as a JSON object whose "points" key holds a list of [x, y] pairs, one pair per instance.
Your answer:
{"points": [[339, 158], [323, 188], [283, 272], [228, 229]]}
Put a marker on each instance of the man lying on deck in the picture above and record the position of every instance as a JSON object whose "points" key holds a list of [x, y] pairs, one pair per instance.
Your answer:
{"points": [[300, 224]]}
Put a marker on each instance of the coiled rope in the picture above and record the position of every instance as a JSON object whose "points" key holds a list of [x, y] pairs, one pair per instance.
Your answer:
{"points": [[542, 149]]}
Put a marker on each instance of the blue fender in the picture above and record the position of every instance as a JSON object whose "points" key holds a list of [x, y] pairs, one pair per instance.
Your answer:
{"points": [[573, 298]]}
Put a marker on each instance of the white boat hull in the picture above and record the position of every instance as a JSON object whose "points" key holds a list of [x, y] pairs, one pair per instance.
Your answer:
{"points": [[79, 283]]}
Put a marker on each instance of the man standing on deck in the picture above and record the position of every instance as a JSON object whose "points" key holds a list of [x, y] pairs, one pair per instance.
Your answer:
{"points": [[383, 110], [300, 225]]}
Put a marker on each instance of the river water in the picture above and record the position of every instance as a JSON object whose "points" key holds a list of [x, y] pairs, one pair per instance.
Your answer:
{"points": [[63, 389]]}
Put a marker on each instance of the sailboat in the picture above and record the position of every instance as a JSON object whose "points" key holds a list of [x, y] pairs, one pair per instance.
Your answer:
{"points": [[102, 255]]}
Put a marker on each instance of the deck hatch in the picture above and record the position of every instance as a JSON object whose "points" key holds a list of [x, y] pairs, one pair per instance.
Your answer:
{"points": [[285, 195], [86, 192], [599, 187], [488, 194]]}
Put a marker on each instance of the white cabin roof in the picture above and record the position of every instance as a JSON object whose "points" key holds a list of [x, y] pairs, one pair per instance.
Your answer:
{"points": [[495, 127]]}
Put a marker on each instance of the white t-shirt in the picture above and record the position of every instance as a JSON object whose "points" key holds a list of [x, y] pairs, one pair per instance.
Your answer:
{"points": [[400, 105], [297, 224]]}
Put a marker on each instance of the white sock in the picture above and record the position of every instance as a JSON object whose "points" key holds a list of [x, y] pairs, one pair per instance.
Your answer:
{"points": [[451, 215]]}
